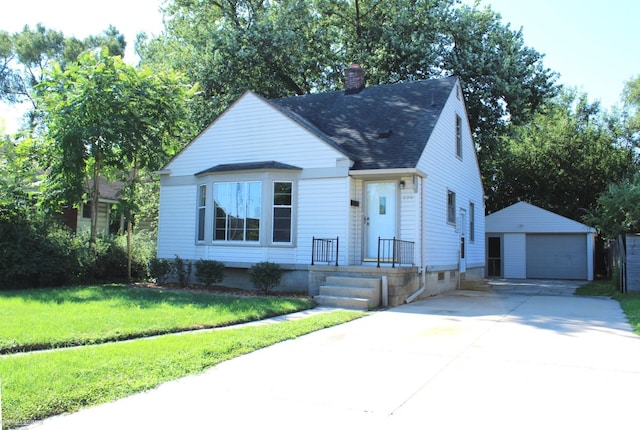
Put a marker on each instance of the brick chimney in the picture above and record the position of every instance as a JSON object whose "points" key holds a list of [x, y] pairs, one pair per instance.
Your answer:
{"points": [[353, 79]]}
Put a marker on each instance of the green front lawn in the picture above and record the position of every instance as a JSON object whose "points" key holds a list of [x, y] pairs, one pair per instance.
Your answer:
{"points": [[54, 317], [41, 384]]}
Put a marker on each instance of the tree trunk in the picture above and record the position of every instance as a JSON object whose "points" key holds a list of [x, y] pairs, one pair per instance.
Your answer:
{"points": [[130, 217], [95, 197]]}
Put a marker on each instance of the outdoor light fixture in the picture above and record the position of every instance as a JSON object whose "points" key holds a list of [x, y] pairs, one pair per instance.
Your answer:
{"points": [[402, 184]]}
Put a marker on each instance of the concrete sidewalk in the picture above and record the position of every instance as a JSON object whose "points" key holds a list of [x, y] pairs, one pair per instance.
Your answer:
{"points": [[459, 360]]}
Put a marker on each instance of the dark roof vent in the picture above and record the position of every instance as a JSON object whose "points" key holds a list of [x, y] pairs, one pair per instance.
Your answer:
{"points": [[384, 134], [353, 79]]}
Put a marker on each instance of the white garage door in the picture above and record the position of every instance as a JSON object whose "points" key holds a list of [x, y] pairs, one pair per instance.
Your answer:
{"points": [[556, 256]]}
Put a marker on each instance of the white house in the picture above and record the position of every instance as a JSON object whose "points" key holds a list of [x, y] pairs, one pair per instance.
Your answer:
{"points": [[369, 182], [525, 241]]}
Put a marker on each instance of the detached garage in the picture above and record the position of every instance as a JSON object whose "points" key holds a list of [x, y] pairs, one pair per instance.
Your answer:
{"points": [[525, 241]]}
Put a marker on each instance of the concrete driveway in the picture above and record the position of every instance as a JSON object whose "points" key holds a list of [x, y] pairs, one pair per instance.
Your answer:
{"points": [[466, 359]]}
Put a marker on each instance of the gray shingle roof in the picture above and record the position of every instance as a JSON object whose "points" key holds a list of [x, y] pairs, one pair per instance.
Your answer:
{"points": [[381, 127], [234, 167]]}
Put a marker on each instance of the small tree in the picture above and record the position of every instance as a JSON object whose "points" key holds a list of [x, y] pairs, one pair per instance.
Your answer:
{"points": [[265, 276], [618, 209], [209, 272]]}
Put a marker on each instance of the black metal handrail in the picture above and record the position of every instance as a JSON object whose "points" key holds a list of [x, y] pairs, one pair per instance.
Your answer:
{"points": [[395, 251], [324, 250]]}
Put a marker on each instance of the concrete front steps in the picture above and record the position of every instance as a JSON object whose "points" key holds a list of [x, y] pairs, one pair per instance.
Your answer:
{"points": [[350, 293]]}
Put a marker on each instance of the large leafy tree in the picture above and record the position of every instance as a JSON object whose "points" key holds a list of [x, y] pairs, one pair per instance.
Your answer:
{"points": [[26, 55], [562, 159], [631, 115], [290, 47], [104, 118]]}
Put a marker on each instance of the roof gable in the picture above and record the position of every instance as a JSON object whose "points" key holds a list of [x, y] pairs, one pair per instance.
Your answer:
{"points": [[380, 127], [524, 217]]}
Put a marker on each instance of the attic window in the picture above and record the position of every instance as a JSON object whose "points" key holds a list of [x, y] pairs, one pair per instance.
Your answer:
{"points": [[384, 134]]}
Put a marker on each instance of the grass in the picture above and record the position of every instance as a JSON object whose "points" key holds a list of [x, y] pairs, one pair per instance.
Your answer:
{"points": [[39, 385], [629, 302], [57, 317]]}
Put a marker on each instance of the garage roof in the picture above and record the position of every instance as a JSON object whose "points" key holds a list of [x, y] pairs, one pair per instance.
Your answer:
{"points": [[527, 218]]}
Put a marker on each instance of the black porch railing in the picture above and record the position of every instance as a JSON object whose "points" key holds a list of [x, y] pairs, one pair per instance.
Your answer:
{"points": [[324, 251], [395, 251]]}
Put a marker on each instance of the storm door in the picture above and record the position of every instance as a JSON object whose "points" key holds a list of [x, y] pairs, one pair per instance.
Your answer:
{"points": [[381, 215]]}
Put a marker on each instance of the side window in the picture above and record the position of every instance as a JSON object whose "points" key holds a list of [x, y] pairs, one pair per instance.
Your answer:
{"points": [[282, 210], [202, 205], [458, 136], [451, 207], [472, 222], [86, 210]]}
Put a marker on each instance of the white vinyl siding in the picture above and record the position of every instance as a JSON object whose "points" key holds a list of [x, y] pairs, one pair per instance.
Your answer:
{"points": [[177, 222], [513, 257], [104, 217], [323, 213], [252, 130], [448, 172]]}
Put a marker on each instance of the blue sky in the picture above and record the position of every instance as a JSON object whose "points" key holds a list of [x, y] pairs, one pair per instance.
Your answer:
{"points": [[594, 45]]}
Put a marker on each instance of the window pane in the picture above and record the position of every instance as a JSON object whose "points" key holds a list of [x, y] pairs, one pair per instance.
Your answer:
{"points": [[282, 224], [451, 207], [237, 211], [458, 136], [282, 198], [472, 222], [282, 193], [201, 213], [220, 224], [202, 201]]}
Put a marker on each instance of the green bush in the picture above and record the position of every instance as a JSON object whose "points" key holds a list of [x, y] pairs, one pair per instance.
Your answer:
{"points": [[160, 269], [265, 275], [209, 272], [35, 252], [182, 271]]}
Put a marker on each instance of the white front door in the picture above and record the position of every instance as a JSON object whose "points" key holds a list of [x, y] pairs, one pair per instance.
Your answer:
{"points": [[381, 215]]}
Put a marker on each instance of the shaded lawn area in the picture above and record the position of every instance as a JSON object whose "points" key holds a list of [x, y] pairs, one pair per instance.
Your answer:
{"points": [[41, 384], [56, 317], [629, 302]]}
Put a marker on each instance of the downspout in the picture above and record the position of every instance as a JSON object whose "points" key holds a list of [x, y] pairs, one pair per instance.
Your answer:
{"points": [[423, 272]]}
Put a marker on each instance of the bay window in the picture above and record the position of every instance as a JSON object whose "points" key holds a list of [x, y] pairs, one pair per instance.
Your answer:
{"points": [[237, 211]]}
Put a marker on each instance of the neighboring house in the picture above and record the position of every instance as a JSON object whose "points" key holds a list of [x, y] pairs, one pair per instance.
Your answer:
{"points": [[332, 184], [525, 241], [108, 222]]}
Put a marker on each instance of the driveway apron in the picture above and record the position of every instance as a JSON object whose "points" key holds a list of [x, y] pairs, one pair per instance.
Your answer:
{"points": [[506, 359]]}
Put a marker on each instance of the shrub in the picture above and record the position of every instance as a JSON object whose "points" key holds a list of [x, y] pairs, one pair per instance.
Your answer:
{"points": [[160, 269], [209, 272], [182, 271], [265, 275]]}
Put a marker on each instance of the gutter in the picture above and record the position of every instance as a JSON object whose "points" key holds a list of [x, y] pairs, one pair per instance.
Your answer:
{"points": [[423, 272], [421, 290]]}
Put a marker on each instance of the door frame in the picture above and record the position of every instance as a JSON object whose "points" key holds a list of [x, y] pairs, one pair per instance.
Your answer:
{"points": [[367, 236], [500, 259]]}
